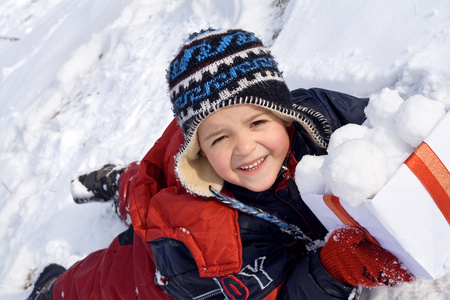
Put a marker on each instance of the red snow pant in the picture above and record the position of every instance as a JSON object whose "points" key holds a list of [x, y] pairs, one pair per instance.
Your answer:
{"points": [[118, 272], [125, 180], [125, 270]]}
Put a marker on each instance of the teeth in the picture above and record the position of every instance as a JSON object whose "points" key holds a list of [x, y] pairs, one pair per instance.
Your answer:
{"points": [[253, 166]]}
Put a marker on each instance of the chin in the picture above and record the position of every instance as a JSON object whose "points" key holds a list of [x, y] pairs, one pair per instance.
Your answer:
{"points": [[259, 188]]}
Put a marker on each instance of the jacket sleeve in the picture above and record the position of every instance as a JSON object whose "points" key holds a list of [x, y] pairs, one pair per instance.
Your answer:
{"points": [[338, 108], [310, 281]]}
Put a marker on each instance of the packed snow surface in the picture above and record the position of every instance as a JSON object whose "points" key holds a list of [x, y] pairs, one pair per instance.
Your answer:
{"points": [[82, 83]]}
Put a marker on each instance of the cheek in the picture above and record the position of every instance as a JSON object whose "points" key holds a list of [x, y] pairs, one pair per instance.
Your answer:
{"points": [[220, 162], [281, 144]]}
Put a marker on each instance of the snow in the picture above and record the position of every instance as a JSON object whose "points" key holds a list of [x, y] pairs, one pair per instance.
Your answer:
{"points": [[82, 83], [79, 191], [354, 171], [383, 107], [416, 117], [312, 180], [346, 133], [362, 158]]}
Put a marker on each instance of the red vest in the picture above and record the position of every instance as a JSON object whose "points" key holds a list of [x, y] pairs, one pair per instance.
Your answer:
{"points": [[208, 228]]}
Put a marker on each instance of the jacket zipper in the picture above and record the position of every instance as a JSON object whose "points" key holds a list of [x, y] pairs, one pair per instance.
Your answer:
{"points": [[291, 183], [208, 295]]}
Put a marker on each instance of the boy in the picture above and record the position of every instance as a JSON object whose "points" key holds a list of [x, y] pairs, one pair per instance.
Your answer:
{"points": [[213, 204]]}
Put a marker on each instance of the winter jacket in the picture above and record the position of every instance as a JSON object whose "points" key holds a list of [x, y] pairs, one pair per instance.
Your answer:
{"points": [[204, 249]]}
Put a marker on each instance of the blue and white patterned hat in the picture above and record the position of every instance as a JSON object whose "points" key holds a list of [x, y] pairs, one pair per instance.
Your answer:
{"points": [[215, 69]]}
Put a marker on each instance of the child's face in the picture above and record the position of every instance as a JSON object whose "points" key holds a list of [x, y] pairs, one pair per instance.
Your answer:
{"points": [[245, 144]]}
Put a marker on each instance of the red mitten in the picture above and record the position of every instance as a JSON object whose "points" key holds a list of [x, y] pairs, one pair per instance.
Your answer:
{"points": [[352, 259]]}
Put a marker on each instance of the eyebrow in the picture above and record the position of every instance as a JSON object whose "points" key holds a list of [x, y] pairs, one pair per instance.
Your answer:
{"points": [[256, 115], [212, 134]]}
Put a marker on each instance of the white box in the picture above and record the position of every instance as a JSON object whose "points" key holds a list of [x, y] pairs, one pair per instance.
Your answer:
{"points": [[403, 217]]}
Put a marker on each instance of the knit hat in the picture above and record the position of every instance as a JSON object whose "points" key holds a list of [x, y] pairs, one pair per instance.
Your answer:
{"points": [[219, 68]]}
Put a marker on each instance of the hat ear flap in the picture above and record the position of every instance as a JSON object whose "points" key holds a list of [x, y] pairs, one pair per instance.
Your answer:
{"points": [[194, 170]]}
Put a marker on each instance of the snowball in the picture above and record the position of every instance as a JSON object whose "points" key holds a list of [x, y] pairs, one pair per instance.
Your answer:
{"points": [[361, 160], [417, 117], [346, 133], [383, 107], [308, 177], [394, 148], [386, 137], [355, 171]]}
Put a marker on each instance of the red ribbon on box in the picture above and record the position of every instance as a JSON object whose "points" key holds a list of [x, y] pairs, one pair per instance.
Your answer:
{"points": [[335, 206], [433, 174]]}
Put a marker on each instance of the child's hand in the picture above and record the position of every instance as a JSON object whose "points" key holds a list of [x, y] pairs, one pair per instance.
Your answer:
{"points": [[352, 259]]}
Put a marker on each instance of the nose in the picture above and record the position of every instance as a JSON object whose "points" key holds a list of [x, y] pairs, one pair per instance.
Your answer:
{"points": [[244, 145]]}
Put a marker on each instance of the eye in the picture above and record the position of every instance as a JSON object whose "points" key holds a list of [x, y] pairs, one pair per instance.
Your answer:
{"points": [[258, 122], [218, 140]]}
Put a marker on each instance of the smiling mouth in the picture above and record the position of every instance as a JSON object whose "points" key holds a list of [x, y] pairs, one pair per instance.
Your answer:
{"points": [[253, 166]]}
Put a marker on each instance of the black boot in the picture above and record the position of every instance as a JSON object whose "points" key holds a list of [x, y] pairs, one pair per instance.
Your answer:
{"points": [[100, 185], [43, 288]]}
